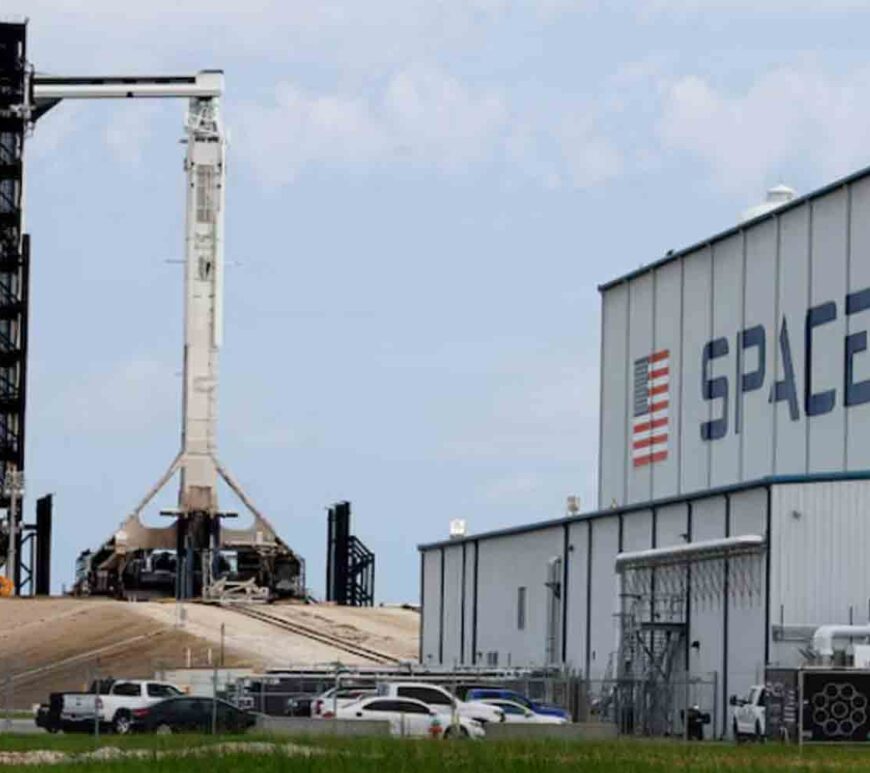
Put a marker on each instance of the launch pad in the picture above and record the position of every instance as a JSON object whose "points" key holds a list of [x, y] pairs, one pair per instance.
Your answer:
{"points": [[196, 555]]}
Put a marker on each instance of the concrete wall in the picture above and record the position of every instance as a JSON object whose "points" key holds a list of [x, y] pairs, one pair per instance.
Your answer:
{"points": [[783, 299], [305, 726]]}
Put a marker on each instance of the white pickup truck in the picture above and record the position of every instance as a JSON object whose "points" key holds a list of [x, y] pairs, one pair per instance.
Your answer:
{"points": [[441, 700], [749, 715], [115, 701]]}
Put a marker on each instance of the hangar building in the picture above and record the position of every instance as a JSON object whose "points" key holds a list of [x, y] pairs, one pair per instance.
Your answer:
{"points": [[734, 480]]}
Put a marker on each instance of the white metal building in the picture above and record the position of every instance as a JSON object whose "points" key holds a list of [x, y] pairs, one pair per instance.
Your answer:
{"points": [[735, 403]]}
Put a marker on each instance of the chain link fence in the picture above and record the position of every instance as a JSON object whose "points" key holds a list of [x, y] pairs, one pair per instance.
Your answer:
{"points": [[675, 708], [678, 708]]}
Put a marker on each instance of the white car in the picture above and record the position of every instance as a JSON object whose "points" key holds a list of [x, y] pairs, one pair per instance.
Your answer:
{"points": [[324, 705], [441, 700], [411, 718], [514, 713]]}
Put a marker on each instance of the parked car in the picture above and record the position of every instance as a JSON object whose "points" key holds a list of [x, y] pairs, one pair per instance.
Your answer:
{"points": [[441, 700], [332, 699], [514, 713], [496, 693], [113, 700], [192, 714], [749, 714], [411, 718]]}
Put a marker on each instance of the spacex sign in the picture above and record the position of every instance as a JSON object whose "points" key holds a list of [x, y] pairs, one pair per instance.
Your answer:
{"points": [[744, 356], [809, 393]]}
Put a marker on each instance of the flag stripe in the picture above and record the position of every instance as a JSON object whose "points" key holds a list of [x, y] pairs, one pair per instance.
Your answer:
{"points": [[651, 459], [651, 441], [646, 426]]}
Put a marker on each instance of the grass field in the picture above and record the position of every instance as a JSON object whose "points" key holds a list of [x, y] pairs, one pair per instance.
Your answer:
{"points": [[263, 754]]}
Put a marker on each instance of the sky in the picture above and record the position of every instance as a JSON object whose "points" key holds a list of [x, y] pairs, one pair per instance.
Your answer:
{"points": [[423, 197]]}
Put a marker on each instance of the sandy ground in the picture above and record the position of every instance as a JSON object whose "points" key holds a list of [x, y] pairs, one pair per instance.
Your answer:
{"points": [[393, 631], [57, 644], [61, 644]]}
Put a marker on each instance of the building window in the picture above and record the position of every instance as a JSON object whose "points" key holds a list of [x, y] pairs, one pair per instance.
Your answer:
{"points": [[521, 608]]}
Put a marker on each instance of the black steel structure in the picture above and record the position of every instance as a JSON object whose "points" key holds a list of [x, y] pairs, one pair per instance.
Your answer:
{"points": [[44, 507], [14, 266], [350, 565], [34, 552]]}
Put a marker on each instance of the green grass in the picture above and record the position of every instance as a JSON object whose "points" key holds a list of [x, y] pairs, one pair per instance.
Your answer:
{"points": [[383, 755]]}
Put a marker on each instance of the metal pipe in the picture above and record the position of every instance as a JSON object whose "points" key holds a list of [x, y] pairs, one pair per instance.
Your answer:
{"points": [[823, 638]]}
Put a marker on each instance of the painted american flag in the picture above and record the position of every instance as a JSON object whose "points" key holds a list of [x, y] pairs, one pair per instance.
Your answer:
{"points": [[649, 428]]}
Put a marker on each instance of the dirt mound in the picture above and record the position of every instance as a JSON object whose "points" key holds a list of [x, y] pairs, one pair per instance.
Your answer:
{"points": [[393, 631], [57, 644], [50, 645]]}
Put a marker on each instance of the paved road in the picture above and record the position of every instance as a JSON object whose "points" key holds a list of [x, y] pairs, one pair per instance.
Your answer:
{"points": [[18, 726]]}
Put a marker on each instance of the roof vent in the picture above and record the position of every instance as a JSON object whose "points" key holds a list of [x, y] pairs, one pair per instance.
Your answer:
{"points": [[776, 197]]}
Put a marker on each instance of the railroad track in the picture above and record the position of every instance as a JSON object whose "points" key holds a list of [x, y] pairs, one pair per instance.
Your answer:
{"points": [[256, 613]]}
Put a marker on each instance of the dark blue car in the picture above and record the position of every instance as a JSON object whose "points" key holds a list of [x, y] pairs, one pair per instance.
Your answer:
{"points": [[481, 693]]}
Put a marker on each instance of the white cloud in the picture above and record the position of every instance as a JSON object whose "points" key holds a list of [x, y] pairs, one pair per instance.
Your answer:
{"points": [[425, 118], [346, 33], [422, 116], [794, 117], [434, 116], [378, 95], [564, 149], [589, 157]]}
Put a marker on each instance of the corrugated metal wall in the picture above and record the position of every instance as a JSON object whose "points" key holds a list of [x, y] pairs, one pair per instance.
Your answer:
{"points": [[820, 572], [730, 635], [501, 572], [752, 289]]}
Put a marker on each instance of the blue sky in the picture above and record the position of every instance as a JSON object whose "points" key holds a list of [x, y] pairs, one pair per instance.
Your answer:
{"points": [[423, 196]]}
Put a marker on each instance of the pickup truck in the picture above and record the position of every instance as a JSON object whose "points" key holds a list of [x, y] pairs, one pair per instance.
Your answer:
{"points": [[748, 715], [441, 700], [114, 700]]}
